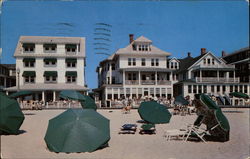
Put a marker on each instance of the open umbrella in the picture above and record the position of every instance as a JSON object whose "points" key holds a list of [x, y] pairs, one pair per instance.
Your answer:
{"points": [[154, 112], [180, 100], [20, 94], [11, 116], [77, 130], [239, 95], [72, 95], [213, 116], [88, 103]]}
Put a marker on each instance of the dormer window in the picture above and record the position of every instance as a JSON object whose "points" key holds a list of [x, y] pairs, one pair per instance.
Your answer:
{"points": [[49, 48], [143, 47], [28, 47], [213, 61]]}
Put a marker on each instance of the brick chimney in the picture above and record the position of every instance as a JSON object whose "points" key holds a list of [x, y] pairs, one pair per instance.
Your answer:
{"points": [[189, 54], [223, 53], [131, 38], [203, 51]]}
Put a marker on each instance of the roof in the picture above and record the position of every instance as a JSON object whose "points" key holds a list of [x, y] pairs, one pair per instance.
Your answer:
{"points": [[49, 40], [9, 66], [41, 87], [237, 51], [187, 62], [146, 69], [143, 39]]}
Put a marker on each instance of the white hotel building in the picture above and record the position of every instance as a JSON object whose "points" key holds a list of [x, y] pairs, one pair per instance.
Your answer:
{"points": [[47, 65], [140, 69]]}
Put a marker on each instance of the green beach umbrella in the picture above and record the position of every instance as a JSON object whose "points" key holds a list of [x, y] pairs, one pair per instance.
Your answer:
{"points": [[222, 120], [154, 112], [180, 100], [77, 130], [88, 103], [20, 94], [72, 95], [239, 95], [205, 99], [11, 116], [147, 126]]}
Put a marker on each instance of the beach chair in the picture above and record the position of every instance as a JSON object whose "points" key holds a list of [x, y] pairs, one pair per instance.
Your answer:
{"points": [[147, 129], [197, 131], [128, 129], [176, 133]]}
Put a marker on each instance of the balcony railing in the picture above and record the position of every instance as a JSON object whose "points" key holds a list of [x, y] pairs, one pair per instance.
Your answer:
{"points": [[216, 79], [147, 82], [132, 82]]}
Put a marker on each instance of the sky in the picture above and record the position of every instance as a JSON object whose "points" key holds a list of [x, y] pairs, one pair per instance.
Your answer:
{"points": [[174, 26]]}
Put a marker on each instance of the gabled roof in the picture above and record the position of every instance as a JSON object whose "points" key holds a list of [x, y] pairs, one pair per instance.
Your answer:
{"points": [[174, 59], [143, 39]]}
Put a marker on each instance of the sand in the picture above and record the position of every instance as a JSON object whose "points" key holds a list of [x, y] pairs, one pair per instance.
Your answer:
{"points": [[30, 144]]}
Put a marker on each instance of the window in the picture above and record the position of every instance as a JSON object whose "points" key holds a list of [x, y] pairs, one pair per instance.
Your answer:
{"points": [[204, 89], [129, 76], [70, 48], [113, 66], [152, 76], [113, 80], [167, 64], [213, 61], [223, 89], [134, 76], [194, 89], [134, 47], [245, 88], [143, 61], [172, 65], [156, 62], [29, 79], [189, 88], [199, 89], [176, 65], [49, 48], [143, 47], [50, 76], [71, 62], [212, 88], [134, 61], [71, 79], [129, 61], [236, 88], [208, 61], [152, 62], [218, 88], [29, 62], [28, 47], [231, 88], [50, 62], [204, 61]]}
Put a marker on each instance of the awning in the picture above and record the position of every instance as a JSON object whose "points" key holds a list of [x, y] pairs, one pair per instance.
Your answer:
{"points": [[28, 45], [50, 73], [71, 73], [29, 73], [49, 45], [50, 60], [71, 46], [29, 60], [73, 60]]}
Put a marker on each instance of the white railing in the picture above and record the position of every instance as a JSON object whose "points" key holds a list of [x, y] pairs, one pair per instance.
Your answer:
{"points": [[218, 79], [147, 82]]}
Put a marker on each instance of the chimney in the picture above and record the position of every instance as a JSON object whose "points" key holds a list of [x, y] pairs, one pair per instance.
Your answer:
{"points": [[203, 51], [131, 38], [223, 53], [189, 54]]}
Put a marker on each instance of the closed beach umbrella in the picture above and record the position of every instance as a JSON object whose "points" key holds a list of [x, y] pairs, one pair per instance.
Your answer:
{"points": [[72, 95], [207, 101], [20, 94], [77, 130], [239, 95], [11, 116], [154, 112], [180, 100], [88, 103]]}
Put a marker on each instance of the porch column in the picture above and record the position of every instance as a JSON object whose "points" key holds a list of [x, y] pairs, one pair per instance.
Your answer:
{"points": [[139, 78], [5, 82], [200, 76], [43, 96], [156, 78], [123, 77], [234, 76], [106, 94], [110, 73], [54, 96], [218, 76], [170, 76], [112, 93]]}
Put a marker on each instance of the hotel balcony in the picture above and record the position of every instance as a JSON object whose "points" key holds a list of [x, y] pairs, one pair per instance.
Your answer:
{"points": [[147, 82], [217, 80]]}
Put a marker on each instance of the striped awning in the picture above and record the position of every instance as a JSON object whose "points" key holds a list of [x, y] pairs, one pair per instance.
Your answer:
{"points": [[50, 60], [29, 60], [29, 73], [28, 45], [71, 46], [71, 73], [50, 73], [73, 60], [49, 45]]}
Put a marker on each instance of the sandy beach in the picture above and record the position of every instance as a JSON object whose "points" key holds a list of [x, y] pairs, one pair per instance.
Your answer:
{"points": [[30, 144]]}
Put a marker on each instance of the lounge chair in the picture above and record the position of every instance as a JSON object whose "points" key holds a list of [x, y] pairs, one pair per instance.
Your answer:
{"points": [[197, 131], [177, 133], [147, 129], [128, 129]]}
